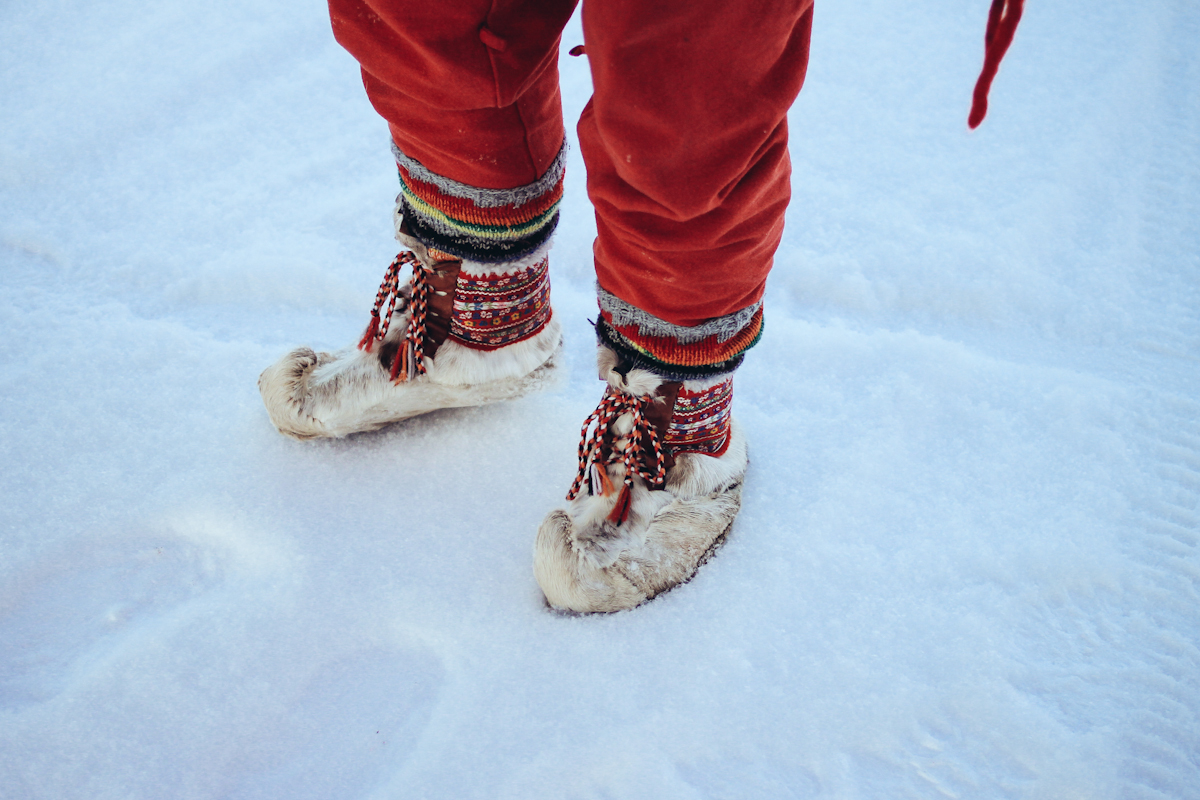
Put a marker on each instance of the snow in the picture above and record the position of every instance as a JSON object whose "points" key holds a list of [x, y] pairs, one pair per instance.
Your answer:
{"points": [[967, 560]]}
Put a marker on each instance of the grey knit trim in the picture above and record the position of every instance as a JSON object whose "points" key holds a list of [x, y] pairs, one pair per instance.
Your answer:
{"points": [[725, 328], [487, 198]]}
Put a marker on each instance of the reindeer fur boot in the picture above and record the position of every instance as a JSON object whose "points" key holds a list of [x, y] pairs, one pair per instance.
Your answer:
{"points": [[659, 485], [461, 333], [473, 325]]}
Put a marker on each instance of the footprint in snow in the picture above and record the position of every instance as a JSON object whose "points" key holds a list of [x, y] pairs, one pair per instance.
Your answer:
{"points": [[63, 617]]}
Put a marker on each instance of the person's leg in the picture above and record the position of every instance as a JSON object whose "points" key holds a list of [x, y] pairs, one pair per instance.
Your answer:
{"points": [[469, 89], [685, 143]]}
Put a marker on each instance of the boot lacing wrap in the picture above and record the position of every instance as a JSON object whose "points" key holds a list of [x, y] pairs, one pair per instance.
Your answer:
{"points": [[627, 449], [410, 357]]}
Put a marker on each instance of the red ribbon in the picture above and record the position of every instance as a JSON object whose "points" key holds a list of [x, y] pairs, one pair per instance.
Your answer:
{"points": [[1002, 24]]}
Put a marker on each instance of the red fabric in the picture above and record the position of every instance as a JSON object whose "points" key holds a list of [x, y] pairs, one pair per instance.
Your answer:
{"points": [[685, 138], [685, 142], [469, 87], [1001, 27]]}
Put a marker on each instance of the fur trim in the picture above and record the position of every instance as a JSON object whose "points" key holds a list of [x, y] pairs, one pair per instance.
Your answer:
{"points": [[458, 365], [585, 563], [309, 394], [637, 382], [606, 362], [694, 474], [700, 384], [483, 268]]}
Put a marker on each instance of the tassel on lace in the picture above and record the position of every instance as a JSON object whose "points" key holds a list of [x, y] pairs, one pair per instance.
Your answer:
{"points": [[593, 466], [620, 510], [599, 483], [410, 356]]}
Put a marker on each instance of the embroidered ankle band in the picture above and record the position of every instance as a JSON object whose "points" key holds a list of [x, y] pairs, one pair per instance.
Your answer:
{"points": [[700, 420], [483, 312], [484, 225], [676, 352], [492, 311]]}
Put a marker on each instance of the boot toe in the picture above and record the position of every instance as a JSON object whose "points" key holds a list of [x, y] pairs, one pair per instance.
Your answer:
{"points": [[283, 387]]}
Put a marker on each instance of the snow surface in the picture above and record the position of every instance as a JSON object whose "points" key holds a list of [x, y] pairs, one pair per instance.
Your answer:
{"points": [[967, 561]]}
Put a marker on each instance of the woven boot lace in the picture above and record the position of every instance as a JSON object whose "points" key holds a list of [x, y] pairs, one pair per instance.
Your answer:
{"points": [[628, 449], [410, 357]]}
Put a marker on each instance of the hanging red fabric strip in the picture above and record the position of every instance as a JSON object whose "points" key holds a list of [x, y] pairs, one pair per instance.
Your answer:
{"points": [[1002, 24]]}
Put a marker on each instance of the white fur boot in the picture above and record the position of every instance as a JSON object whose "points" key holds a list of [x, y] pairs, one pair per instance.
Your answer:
{"points": [[620, 543], [454, 355]]}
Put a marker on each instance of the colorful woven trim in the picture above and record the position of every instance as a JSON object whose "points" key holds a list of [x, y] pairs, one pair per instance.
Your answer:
{"points": [[700, 420], [493, 311], [484, 225], [673, 351]]}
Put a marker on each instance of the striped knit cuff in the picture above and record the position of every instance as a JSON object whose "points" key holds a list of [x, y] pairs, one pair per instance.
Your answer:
{"points": [[676, 352], [485, 225]]}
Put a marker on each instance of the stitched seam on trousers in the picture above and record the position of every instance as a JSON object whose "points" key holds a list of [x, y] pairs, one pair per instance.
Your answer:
{"points": [[492, 54], [516, 103], [525, 125]]}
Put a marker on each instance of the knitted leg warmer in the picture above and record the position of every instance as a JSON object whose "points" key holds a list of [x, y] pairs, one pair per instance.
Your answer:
{"points": [[678, 353]]}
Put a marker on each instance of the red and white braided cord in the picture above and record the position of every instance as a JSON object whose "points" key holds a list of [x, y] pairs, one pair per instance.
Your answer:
{"points": [[410, 358], [612, 406]]}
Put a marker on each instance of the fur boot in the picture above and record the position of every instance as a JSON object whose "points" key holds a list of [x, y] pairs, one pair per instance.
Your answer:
{"points": [[460, 360], [621, 542]]}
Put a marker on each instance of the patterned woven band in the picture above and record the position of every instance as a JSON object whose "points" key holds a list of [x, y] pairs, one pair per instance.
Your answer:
{"points": [[496, 310], [700, 421]]}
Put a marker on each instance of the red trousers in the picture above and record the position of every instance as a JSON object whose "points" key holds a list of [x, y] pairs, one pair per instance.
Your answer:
{"points": [[684, 139]]}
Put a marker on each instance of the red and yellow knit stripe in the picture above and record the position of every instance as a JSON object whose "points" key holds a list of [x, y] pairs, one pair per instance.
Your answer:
{"points": [[464, 216], [669, 351]]}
